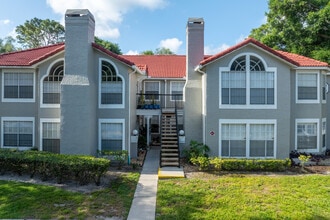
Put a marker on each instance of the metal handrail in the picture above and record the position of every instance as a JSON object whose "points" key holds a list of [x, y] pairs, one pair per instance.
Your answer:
{"points": [[157, 101]]}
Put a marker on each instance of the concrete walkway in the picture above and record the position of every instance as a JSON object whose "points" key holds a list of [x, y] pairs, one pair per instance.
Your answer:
{"points": [[144, 202]]}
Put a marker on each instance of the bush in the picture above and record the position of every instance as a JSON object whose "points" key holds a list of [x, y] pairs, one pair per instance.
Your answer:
{"points": [[120, 157], [83, 169], [202, 162], [196, 150], [273, 165]]}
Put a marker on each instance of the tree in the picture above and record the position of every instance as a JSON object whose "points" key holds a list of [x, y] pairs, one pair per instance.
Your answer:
{"points": [[7, 45], [163, 51], [158, 51], [108, 45], [297, 26], [147, 52], [37, 32]]}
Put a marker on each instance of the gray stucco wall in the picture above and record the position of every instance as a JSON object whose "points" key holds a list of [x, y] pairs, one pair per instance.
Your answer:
{"points": [[193, 89], [78, 87], [282, 113]]}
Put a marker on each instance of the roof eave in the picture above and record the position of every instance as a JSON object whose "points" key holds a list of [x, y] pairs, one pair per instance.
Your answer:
{"points": [[326, 68]]}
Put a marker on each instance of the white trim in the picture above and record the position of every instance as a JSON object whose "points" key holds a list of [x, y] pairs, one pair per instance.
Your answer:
{"points": [[42, 105], [308, 120], [319, 92], [111, 106], [248, 122], [247, 86], [45, 120], [31, 119], [111, 120], [3, 99]]}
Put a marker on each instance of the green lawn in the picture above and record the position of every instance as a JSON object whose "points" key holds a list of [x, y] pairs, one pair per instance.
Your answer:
{"points": [[22, 200], [245, 197]]}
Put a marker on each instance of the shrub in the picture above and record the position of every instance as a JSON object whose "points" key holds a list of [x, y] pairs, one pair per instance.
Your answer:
{"points": [[82, 169], [120, 156], [248, 164], [202, 162], [196, 150]]}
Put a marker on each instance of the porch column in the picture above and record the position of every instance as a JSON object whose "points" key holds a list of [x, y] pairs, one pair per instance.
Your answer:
{"points": [[148, 130]]}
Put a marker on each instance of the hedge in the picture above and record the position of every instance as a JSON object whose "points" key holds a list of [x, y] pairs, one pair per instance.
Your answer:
{"points": [[220, 164], [80, 168]]}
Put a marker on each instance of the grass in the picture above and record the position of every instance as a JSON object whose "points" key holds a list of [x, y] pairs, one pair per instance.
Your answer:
{"points": [[245, 197], [31, 201]]}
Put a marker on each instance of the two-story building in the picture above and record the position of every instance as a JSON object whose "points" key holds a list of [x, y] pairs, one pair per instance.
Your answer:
{"points": [[248, 101]]}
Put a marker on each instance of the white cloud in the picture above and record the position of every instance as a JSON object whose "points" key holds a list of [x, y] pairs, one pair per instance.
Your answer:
{"points": [[108, 13], [132, 52], [241, 38], [4, 22], [171, 43], [210, 50]]}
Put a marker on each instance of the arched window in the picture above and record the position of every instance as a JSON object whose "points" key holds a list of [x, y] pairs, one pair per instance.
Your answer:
{"points": [[111, 85], [247, 82], [52, 84]]}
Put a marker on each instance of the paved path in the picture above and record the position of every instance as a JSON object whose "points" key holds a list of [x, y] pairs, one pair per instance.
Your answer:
{"points": [[144, 202]]}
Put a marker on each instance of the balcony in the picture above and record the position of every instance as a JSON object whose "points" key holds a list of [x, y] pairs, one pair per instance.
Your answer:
{"points": [[157, 102]]}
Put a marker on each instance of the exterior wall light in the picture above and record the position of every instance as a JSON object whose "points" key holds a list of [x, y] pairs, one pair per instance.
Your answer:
{"points": [[135, 132], [181, 132]]}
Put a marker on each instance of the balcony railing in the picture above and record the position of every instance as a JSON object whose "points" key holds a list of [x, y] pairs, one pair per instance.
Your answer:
{"points": [[159, 101]]}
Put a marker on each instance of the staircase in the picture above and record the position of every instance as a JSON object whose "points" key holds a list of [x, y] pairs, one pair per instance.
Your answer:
{"points": [[169, 153]]}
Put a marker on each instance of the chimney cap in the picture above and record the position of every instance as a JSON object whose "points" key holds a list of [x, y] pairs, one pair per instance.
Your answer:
{"points": [[195, 20], [78, 13]]}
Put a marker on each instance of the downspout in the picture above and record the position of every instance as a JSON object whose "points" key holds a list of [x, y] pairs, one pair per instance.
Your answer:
{"points": [[199, 69]]}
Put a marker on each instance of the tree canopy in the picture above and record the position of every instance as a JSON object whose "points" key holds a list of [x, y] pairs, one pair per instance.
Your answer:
{"points": [[297, 26], [158, 51], [37, 32], [108, 45], [7, 45]]}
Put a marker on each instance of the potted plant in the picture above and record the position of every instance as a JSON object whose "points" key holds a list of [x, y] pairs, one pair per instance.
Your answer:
{"points": [[141, 101]]}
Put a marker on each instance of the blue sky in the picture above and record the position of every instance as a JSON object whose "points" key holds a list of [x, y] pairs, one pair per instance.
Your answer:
{"points": [[139, 25]]}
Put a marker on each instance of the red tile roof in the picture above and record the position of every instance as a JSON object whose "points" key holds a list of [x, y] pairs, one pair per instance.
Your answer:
{"points": [[116, 56], [303, 61], [294, 59], [160, 66], [31, 56], [155, 66]]}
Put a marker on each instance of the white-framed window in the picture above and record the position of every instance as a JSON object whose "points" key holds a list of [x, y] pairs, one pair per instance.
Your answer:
{"points": [[307, 135], [51, 85], [176, 88], [17, 132], [324, 132], [50, 136], [307, 87], [18, 86], [112, 86], [247, 83], [247, 138], [152, 90], [112, 134]]}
